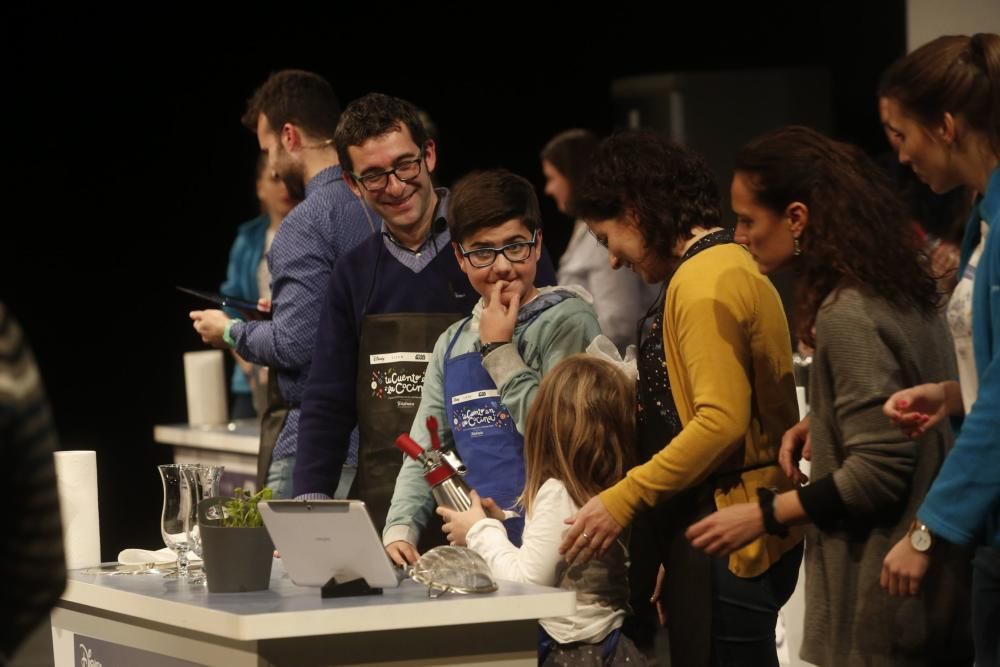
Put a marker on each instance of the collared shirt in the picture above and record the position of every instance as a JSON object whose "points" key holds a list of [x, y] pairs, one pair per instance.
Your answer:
{"points": [[314, 235], [438, 238]]}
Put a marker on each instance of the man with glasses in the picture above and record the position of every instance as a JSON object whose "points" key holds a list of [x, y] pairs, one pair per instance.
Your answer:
{"points": [[388, 302], [485, 369], [294, 115]]}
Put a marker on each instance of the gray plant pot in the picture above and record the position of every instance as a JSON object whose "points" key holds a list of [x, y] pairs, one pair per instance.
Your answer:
{"points": [[237, 560]]}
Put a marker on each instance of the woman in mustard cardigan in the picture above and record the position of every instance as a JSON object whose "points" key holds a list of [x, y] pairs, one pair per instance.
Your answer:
{"points": [[716, 393]]}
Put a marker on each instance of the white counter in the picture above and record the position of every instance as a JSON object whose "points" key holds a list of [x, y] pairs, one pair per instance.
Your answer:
{"points": [[239, 437], [232, 445], [161, 621]]}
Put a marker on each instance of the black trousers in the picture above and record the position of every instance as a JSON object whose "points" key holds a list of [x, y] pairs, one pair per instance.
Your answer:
{"points": [[986, 606], [745, 611]]}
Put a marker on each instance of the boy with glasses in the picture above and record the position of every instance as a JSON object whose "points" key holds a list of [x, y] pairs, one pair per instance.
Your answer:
{"points": [[387, 303], [485, 369]]}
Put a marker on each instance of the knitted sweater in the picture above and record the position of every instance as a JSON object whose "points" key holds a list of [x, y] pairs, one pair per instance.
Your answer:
{"points": [[866, 350]]}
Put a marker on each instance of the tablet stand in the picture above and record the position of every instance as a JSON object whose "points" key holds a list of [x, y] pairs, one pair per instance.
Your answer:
{"points": [[346, 589]]}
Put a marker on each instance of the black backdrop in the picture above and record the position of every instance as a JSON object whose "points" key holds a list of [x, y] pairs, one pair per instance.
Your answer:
{"points": [[128, 171]]}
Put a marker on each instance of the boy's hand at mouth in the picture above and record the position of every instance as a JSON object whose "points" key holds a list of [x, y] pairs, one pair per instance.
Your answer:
{"points": [[497, 322]]}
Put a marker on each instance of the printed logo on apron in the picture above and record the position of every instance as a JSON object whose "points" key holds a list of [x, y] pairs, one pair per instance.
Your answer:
{"points": [[479, 413], [388, 389], [393, 378]]}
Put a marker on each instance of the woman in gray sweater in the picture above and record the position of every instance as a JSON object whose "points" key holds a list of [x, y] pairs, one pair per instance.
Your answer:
{"points": [[870, 309]]}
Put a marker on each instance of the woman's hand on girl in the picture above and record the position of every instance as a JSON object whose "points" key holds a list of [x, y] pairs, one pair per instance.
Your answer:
{"points": [[795, 445], [727, 530], [592, 532], [457, 524]]}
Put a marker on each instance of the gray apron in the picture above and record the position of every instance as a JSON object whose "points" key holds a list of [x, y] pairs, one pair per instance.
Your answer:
{"points": [[271, 422], [393, 354]]}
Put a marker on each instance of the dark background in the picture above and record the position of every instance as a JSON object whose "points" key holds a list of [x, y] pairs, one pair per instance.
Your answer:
{"points": [[128, 171]]}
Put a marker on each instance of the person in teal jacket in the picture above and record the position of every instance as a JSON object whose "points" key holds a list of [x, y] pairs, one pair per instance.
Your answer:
{"points": [[248, 278], [943, 103]]}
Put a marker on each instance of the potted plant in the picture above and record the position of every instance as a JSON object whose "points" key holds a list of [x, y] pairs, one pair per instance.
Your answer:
{"points": [[236, 547]]}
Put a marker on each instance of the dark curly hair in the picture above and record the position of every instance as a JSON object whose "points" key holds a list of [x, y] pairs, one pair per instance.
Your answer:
{"points": [[858, 233], [375, 115], [670, 190]]}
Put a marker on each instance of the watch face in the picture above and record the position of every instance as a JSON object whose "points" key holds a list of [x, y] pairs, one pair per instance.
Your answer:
{"points": [[921, 539]]}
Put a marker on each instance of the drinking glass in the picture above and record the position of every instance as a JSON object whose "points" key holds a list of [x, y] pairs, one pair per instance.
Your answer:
{"points": [[175, 520], [203, 482]]}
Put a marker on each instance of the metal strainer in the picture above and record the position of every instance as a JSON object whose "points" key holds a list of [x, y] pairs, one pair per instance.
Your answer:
{"points": [[453, 570]]}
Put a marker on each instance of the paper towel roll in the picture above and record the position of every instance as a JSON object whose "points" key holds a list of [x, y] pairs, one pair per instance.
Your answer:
{"points": [[76, 476], [205, 381]]}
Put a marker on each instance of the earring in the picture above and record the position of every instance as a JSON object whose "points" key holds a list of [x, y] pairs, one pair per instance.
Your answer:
{"points": [[798, 250]]}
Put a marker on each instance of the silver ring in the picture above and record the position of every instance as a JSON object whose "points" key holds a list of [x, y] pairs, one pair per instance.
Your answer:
{"points": [[586, 536]]}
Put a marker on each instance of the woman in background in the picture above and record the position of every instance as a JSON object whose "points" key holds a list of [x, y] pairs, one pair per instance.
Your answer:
{"points": [[620, 297], [248, 278]]}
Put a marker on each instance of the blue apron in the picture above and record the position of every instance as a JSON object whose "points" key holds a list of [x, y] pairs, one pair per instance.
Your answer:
{"points": [[485, 433]]}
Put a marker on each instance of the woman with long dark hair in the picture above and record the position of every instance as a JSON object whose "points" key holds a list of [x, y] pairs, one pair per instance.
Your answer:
{"points": [[869, 307], [620, 297]]}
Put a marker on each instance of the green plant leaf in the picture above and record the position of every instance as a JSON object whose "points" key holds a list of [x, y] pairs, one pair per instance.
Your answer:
{"points": [[241, 510]]}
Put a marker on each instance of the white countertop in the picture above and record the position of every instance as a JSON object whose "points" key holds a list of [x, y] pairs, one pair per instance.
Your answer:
{"points": [[287, 610], [241, 437]]}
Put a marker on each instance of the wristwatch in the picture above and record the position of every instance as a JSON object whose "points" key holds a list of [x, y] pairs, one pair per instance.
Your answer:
{"points": [[227, 336], [489, 347], [771, 525], [921, 538]]}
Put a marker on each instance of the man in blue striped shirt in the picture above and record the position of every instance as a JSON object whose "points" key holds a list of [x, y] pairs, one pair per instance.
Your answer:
{"points": [[294, 115]]}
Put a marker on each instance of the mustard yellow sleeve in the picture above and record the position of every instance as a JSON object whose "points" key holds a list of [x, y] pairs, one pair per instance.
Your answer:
{"points": [[707, 325]]}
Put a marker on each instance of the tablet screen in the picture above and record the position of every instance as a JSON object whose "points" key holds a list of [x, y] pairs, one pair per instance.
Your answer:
{"points": [[323, 539]]}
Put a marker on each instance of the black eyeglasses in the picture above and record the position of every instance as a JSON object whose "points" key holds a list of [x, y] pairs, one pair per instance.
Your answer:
{"points": [[405, 171], [514, 252]]}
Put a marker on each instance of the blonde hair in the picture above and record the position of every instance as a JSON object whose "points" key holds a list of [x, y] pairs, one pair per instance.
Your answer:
{"points": [[580, 429]]}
